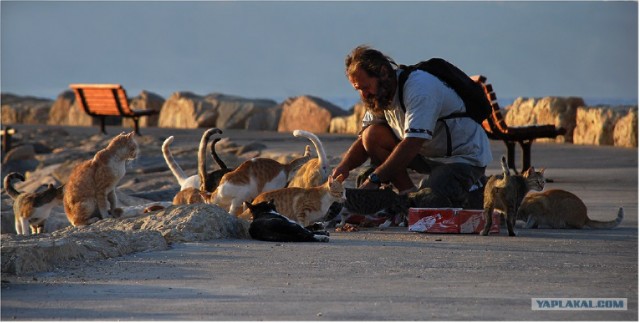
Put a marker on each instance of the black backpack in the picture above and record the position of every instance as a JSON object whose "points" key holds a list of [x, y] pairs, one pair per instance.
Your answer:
{"points": [[472, 94]]}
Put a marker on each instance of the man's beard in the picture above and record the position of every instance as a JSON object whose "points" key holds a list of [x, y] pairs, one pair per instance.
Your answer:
{"points": [[381, 101]]}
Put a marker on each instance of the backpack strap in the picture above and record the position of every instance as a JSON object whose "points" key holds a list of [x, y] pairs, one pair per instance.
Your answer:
{"points": [[402, 79]]}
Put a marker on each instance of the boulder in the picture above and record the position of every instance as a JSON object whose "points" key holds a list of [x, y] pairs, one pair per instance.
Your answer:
{"points": [[24, 109], [351, 124], [266, 119], [625, 132], [65, 111], [233, 111], [308, 113], [110, 238], [187, 110], [145, 101], [558, 111], [594, 125]]}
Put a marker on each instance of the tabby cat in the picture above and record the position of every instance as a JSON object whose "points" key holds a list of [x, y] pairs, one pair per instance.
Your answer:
{"points": [[559, 209], [315, 171], [89, 194], [253, 177], [32, 209], [384, 202], [505, 193], [305, 206], [269, 225], [212, 179]]}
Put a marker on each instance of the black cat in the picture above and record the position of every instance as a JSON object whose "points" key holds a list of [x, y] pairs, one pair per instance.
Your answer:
{"points": [[269, 225]]}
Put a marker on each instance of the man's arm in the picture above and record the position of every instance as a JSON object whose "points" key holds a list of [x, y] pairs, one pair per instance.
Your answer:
{"points": [[355, 156], [399, 159]]}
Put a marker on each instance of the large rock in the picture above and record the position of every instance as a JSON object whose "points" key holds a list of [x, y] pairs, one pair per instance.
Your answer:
{"points": [[66, 112], [116, 237], [24, 109], [187, 110], [594, 125], [308, 113], [145, 101], [351, 124], [234, 111], [558, 111], [266, 119], [625, 132]]}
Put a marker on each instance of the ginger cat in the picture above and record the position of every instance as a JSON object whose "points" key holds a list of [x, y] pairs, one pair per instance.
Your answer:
{"points": [[505, 193], [89, 194], [316, 170], [32, 209], [253, 177], [190, 195], [559, 209], [305, 206]]}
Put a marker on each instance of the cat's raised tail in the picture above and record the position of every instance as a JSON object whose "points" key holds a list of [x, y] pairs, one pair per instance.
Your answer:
{"points": [[11, 191], [178, 173], [505, 167], [607, 224], [322, 155], [202, 157]]}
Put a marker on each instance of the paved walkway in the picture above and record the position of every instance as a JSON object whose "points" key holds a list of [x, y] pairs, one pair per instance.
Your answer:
{"points": [[371, 274]]}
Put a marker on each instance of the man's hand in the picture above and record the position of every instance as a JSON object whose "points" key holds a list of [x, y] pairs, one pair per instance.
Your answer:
{"points": [[340, 171], [368, 185]]}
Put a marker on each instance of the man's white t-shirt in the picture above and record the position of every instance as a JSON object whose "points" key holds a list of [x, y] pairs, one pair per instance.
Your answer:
{"points": [[427, 99]]}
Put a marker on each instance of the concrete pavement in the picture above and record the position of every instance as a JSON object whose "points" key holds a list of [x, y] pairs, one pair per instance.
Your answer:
{"points": [[372, 274]]}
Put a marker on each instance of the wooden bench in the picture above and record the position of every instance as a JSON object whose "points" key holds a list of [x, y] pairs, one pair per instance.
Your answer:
{"points": [[102, 100], [497, 129]]}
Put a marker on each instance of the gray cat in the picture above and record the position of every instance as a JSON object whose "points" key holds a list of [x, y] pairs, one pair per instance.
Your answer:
{"points": [[505, 193], [375, 202]]}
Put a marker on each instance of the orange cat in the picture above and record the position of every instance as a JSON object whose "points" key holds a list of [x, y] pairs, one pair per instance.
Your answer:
{"points": [[559, 209], [90, 195], [316, 170], [190, 195], [306, 206], [253, 177]]}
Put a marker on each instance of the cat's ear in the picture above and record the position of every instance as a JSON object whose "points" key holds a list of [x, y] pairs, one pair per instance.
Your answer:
{"points": [[340, 178], [541, 171], [248, 205]]}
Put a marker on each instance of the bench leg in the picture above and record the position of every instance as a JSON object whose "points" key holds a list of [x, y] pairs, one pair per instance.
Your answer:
{"points": [[136, 127], [102, 125], [511, 155], [526, 154]]}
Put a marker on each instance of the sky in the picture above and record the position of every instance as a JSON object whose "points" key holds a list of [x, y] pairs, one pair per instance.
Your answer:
{"points": [[289, 48]]}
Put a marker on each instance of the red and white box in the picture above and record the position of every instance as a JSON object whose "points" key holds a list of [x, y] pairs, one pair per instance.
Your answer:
{"points": [[450, 220]]}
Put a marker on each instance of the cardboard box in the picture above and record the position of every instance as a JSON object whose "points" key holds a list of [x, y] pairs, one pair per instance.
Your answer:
{"points": [[450, 220]]}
